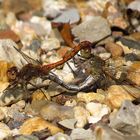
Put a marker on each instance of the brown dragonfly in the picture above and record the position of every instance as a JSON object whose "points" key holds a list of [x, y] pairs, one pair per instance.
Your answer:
{"points": [[93, 65]]}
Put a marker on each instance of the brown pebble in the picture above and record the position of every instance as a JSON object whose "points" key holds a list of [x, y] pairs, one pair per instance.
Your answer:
{"points": [[134, 73], [9, 34], [37, 124], [115, 49]]}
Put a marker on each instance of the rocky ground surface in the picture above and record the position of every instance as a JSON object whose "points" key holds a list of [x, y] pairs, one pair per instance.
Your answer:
{"points": [[69, 70]]}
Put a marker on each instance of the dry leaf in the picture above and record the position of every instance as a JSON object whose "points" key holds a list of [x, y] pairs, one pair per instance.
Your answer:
{"points": [[65, 31]]}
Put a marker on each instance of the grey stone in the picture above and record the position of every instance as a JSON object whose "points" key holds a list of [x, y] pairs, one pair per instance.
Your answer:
{"points": [[68, 123], [71, 16], [82, 134], [59, 136], [127, 119], [92, 30], [104, 132], [135, 5], [26, 138]]}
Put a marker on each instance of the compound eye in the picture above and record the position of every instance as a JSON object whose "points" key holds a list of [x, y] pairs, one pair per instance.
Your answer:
{"points": [[12, 73]]}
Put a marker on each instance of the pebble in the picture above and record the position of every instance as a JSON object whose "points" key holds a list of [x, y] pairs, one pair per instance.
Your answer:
{"points": [[6, 49], [71, 16], [50, 44], [59, 136], [81, 115], [97, 111], [4, 131], [37, 124], [135, 5], [68, 123], [104, 132], [9, 34], [126, 120], [91, 96], [71, 102], [92, 30], [41, 25], [12, 95], [53, 111], [114, 16], [13, 7], [53, 8], [80, 133], [115, 49], [2, 115], [134, 73], [21, 104], [116, 95], [26, 137], [105, 56]]}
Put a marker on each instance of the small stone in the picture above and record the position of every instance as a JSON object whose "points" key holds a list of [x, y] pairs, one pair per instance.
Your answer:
{"points": [[126, 120], [7, 48], [115, 49], [21, 104], [116, 95], [97, 111], [70, 16], [114, 16], [52, 8], [68, 123], [80, 133], [37, 124], [71, 103], [134, 73], [2, 115], [53, 111], [12, 95], [135, 35], [50, 44], [22, 6], [13, 7], [81, 115], [16, 120], [62, 99], [129, 42], [104, 132], [125, 48], [135, 5], [41, 25], [92, 30], [4, 131], [43, 134], [9, 34], [30, 137], [91, 96], [104, 56], [59, 136]]}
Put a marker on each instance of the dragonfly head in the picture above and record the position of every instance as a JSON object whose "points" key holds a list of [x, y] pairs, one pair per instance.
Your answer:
{"points": [[12, 74]]}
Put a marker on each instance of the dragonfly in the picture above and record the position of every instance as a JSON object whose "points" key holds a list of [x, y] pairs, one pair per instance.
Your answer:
{"points": [[94, 66]]}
